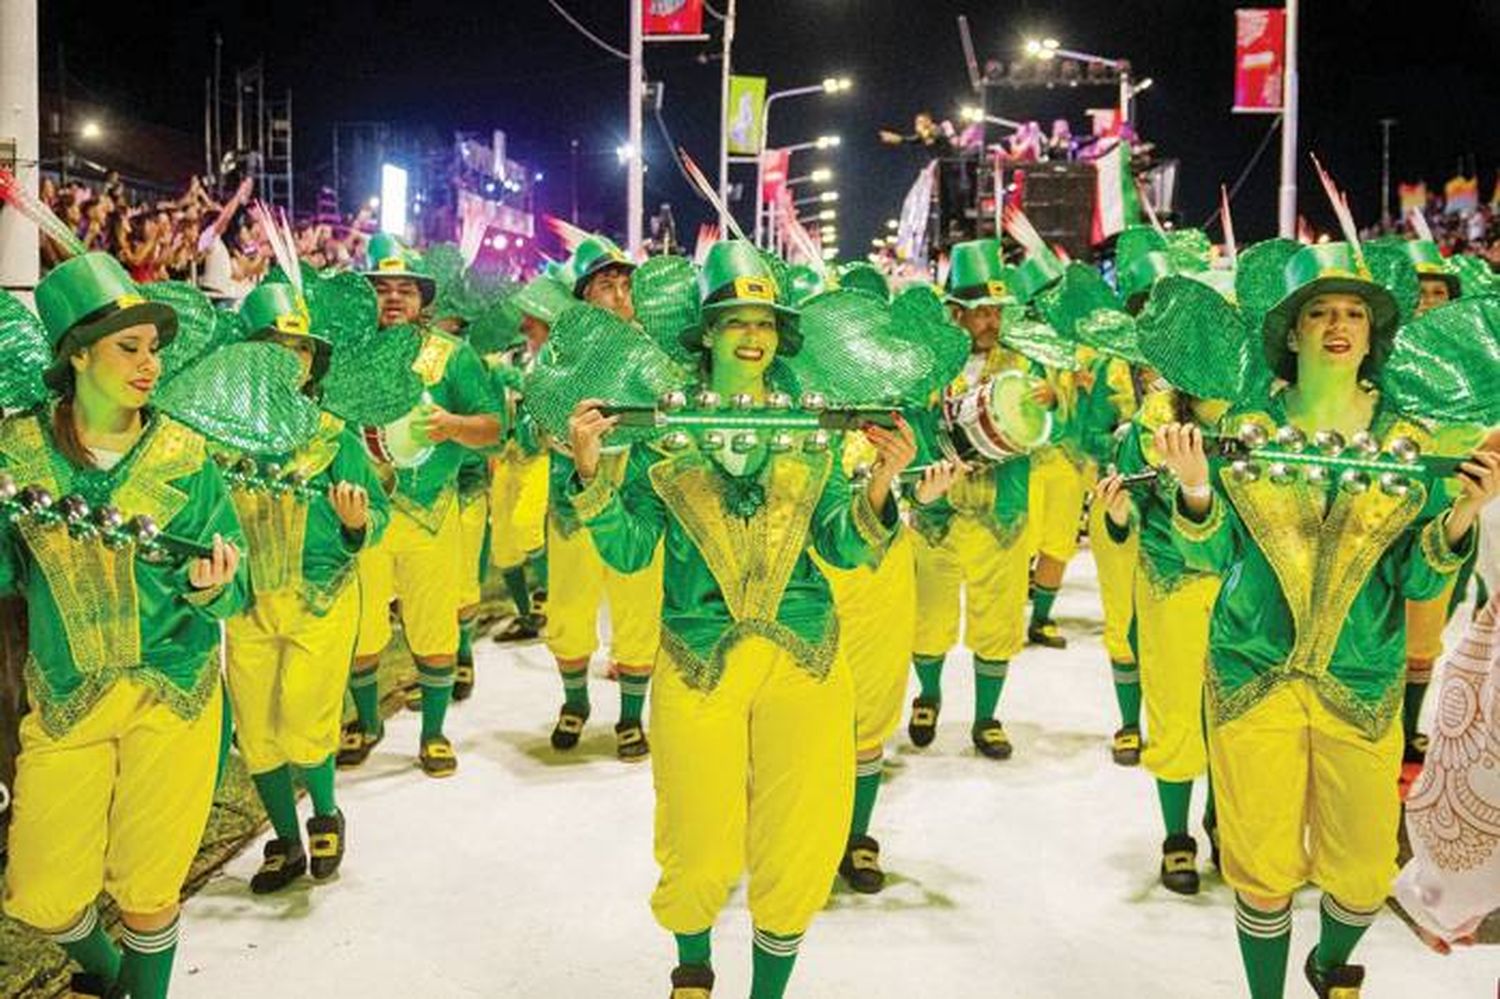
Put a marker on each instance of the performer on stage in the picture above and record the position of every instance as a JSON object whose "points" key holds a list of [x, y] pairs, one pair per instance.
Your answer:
{"points": [[975, 537], [306, 515], [119, 753], [752, 711], [578, 580], [415, 560], [1307, 637]]}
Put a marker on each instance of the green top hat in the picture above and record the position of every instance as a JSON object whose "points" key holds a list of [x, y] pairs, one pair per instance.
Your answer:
{"points": [[595, 254], [861, 276], [276, 310], [977, 277], [1326, 269], [1036, 274], [735, 275], [1138, 276], [85, 299], [543, 298], [389, 258], [1431, 265]]}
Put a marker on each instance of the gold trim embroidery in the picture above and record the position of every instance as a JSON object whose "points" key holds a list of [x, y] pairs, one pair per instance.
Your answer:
{"points": [[1197, 531], [591, 501], [432, 359], [1434, 542], [429, 518], [703, 673]]}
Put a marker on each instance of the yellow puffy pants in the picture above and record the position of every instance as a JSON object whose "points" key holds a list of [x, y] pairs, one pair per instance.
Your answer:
{"points": [[1116, 563], [577, 581], [1057, 491], [877, 611], [759, 774], [1303, 796], [473, 518], [287, 672], [420, 568], [518, 509], [1425, 621], [995, 598], [1172, 636], [119, 803]]}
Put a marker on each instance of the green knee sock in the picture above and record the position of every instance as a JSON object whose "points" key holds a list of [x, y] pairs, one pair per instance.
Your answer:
{"points": [[280, 800], [226, 734], [1127, 677], [1411, 708], [437, 691], [466, 641], [575, 687], [1176, 798], [1210, 814], [146, 967], [633, 688], [515, 585], [1341, 930], [318, 779], [88, 944], [537, 563], [930, 676], [364, 687], [1042, 599], [695, 948], [772, 962], [1265, 939], [989, 681], [866, 787]]}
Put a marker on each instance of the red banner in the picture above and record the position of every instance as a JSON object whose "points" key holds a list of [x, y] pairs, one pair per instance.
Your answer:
{"points": [[673, 17], [1259, 60], [774, 164]]}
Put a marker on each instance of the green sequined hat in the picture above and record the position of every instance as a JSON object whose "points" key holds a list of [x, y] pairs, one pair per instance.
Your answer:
{"points": [[664, 291], [858, 275], [1199, 341], [592, 256], [859, 351], [1475, 273], [86, 298], [1428, 261], [976, 275], [389, 258], [735, 274], [276, 311], [802, 284], [1324, 269], [1445, 364]]}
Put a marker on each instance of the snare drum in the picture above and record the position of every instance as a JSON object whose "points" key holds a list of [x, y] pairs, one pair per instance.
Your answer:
{"points": [[397, 443], [997, 420]]}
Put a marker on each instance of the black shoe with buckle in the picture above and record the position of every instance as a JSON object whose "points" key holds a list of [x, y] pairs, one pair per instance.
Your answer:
{"points": [[355, 745], [1415, 750], [922, 728], [1047, 635], [569, 727], [1179, 864], [437, 757], [692, 981], [521, 628], [1342, 981], [1126, 747], [284, 863], [630, 742], [860, 867], [325, 845], [463, 681], [990, 739], [86, 986]]}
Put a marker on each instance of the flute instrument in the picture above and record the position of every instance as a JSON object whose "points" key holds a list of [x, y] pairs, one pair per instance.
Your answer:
{"points": [[36, 505]]}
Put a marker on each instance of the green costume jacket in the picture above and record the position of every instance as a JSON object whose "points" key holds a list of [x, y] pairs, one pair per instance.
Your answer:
{"points": [[295, 539], [1315, 582], [999, 497], [99, 614], [457, 380], [736, 551]]}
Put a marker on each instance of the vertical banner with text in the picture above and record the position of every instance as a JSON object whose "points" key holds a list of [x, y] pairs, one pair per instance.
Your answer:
{"points": [[774, 165], [1259, 60], [673, 17], [747, 115]]}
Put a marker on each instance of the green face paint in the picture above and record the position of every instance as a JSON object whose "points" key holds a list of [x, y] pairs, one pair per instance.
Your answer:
{"points": [[742, 343]]}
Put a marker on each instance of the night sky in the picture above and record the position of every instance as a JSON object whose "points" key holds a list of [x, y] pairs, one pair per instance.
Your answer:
{"points": [[515, 65]]}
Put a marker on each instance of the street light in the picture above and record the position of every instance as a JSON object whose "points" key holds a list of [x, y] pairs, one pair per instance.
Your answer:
{"points": [[892, 224], [90, 130], [822, 175], [1048, 48], [974, 115], [837, 84], [828, 141], [831, 85], [828, 215]]}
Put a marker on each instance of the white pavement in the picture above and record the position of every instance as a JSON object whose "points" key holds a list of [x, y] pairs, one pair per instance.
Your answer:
{"points": [[528, 874]]}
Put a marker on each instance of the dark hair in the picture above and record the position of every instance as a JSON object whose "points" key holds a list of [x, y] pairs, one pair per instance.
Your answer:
{"points": [[65, 430]]}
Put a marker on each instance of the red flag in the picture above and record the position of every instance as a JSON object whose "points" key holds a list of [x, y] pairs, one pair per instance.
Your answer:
{"points": [[774, 164], [1259, 60], [673, 17]]}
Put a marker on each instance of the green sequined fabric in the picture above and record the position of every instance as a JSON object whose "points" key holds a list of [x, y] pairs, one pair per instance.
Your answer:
{"points": [[853, 355], [664, 291], [1445, 366], [245, 395], [1391, 267], [200, 326], [1200, 342], [917, 313], [1112, 332], [1260, 278], [1475, 275], [1035, 340], [1080, 293], [1189, 249], [370, 381], [495, 329], [593, 354], [23, 344]]}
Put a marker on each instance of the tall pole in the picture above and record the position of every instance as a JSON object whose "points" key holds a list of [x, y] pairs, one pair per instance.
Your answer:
{"points": [[20, 264], [573, 177], [1385, 171], [218, 102], [1287, 196], [728, 69], [635, 190]]}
